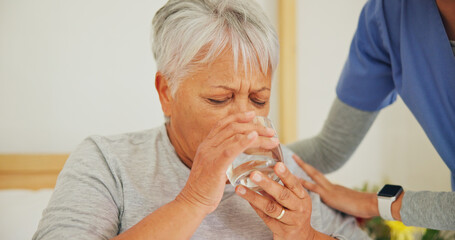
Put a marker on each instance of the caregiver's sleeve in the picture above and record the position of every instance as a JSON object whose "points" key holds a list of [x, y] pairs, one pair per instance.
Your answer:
{"points": [[365, 86], [434, 210], [86, 200], [343, 131], [366, 82]]}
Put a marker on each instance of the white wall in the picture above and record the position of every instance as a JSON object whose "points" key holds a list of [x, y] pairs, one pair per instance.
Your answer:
{"points": [[395, 149], [69, 69]]}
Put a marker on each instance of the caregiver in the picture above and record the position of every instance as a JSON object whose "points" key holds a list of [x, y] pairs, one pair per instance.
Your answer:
{"points": [[403, 47]]}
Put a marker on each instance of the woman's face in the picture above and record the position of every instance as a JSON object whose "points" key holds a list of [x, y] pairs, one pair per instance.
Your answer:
{"points": [[208, 95]]}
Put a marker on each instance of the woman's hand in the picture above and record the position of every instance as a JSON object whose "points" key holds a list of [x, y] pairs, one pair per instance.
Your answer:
{"points": [[286, 210], [359, 204], [230, 137]]}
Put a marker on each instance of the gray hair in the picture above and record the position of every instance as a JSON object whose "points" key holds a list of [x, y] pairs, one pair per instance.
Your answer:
{"points": [[188, 32]]}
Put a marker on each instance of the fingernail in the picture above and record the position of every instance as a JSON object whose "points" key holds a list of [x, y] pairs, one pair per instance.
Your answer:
{"points": [[249, 114], [275, 140], [281, 167], [241, 190], [257, 177], [252, 135]]}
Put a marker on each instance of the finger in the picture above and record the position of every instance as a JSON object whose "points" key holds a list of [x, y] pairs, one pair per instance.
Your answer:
{"points": [[281, 194], [272, 223], [238, 143], [310, 186], [235, 128], [267, 206], [264, 144], [266, 195], [290, 180], [260, 145], [312, 172], [238, 117], [234, 146]]}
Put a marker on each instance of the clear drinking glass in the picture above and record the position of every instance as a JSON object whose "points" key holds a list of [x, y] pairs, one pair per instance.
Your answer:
{"points": [[253, 159]]}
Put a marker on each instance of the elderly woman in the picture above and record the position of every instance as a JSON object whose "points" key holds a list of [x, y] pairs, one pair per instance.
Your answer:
{"points": [[215, 63]]}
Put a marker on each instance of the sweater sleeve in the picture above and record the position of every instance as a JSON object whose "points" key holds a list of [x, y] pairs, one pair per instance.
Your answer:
{"points": [[434, 210], [86, 200], [343, 131]]}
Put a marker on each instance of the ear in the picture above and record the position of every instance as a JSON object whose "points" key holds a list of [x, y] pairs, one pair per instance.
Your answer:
{"points": [[162, 87]]}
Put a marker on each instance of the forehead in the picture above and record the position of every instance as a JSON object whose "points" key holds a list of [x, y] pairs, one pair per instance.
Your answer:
{"points": [[224, 70]]}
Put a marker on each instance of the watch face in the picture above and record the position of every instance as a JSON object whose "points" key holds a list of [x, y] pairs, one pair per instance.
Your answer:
{"points": [[390, 191]]}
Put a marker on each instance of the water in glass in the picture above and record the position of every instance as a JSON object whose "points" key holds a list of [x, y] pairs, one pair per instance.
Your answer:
{"points": [[255, 159]]}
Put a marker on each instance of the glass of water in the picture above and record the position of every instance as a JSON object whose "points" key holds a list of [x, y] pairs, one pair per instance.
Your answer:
{"points": [[255, 159]]}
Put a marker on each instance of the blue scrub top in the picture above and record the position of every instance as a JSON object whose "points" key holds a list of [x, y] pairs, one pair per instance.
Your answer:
{"points": [[401, 47]]}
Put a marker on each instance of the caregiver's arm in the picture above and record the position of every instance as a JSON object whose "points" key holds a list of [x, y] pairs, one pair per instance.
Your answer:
{"points": [[429, 209], [434, 210], [343, 131]]}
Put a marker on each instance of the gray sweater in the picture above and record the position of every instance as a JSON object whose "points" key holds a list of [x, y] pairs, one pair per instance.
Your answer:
{"points": [[111, 183], [343, 131]]}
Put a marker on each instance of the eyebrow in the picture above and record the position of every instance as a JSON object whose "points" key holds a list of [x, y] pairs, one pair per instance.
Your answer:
{"points": [[234, 90]]}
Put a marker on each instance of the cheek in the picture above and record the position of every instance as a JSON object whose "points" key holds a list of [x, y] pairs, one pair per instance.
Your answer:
{"points": [[197, 130], [264, 111], [193, 120], [202, 124]]}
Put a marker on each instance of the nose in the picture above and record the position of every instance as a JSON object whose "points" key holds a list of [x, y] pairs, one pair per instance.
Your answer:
{"points": [[241, 105]]}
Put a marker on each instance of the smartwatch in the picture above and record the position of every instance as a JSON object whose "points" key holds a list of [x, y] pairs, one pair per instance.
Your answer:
{"points": [[386, 196]]}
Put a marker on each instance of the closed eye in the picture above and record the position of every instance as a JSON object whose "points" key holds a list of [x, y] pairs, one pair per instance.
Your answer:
{"points": [[258, 102], [217, 101]]}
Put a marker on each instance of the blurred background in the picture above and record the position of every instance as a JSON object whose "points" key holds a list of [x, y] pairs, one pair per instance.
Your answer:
{"points": [[70, 69]]}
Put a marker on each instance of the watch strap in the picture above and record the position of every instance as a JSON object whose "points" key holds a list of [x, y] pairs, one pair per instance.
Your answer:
{"points": [[385, 207]]}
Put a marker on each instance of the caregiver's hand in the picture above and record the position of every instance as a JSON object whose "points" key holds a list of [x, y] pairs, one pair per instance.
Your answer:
{"points": [[292, 198], [227, 139], [346, 200]]}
